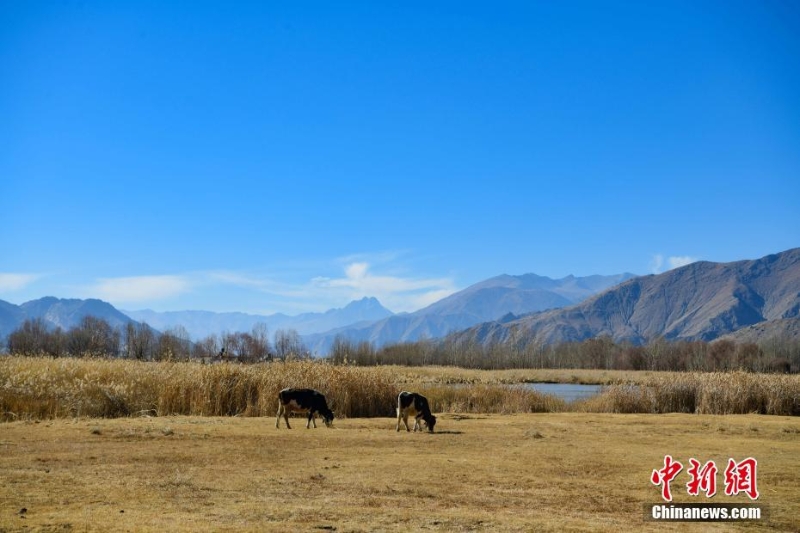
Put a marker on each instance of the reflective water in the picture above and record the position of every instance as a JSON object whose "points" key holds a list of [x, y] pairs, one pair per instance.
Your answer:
{"points": [[569, 392]]}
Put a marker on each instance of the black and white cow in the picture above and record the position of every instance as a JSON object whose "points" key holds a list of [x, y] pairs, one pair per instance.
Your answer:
{"points": [[303, 400], [416, 405]]}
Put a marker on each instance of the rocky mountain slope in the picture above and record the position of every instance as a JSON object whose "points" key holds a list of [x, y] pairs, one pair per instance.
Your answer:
{"points": [[700, 301]]}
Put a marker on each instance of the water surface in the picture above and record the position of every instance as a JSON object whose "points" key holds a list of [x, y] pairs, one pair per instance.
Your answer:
{"points": [[569, 392]]}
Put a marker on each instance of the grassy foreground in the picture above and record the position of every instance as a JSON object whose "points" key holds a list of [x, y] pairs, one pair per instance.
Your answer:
{"points": [[522, 472]]}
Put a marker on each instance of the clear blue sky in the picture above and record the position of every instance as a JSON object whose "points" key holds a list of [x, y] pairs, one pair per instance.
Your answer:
{"points": [[264, 157]]}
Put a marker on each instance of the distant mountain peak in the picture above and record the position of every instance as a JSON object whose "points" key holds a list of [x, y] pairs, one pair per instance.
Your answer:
{"points": [[201, 324], [503, 298], [65, 313], [367, 302]]}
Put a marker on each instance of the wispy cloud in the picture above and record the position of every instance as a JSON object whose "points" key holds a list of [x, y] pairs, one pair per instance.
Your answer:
{"points": [[419, 301], [259, 283], [139, 288], [658, 262], [238, 279], [679, 261], [374, 258], [397, 293], [10, 282], [378, 275], [383, 275]]}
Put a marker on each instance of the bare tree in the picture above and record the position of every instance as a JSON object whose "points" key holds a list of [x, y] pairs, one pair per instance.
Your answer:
{"points": [[288, 344], [29, 339], [207, 349], [174, 345], [139, 341], [94, 336], [260, 339]]}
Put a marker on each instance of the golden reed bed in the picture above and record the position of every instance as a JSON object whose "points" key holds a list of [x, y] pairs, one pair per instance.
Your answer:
{"points": [[35, 388]]}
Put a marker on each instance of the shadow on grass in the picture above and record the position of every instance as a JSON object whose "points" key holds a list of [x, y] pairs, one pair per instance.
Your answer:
{"points": [[459, 417]]}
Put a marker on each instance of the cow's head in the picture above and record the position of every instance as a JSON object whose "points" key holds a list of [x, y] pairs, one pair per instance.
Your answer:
{"points": [[430, 422], [327, 417]]}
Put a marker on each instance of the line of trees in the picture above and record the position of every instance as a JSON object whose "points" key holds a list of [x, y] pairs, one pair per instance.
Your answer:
{"points": [[775, 355], [94, 337]]}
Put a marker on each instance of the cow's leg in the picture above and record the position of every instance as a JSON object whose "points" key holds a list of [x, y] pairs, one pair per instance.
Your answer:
{"points": [[286, 417], [405, 421], [399, 417], [310, 419], [417, 424], [278, 419]]}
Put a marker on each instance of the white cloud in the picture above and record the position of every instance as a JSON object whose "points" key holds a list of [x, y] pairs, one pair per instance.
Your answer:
{"points": [[258, 292], [674, 261], [679, 261], [427, 298], [240, 280], [397, 293], [655, 263], [256, 283], [10, 282], [140, 288], [384, 257], [357, 270]]}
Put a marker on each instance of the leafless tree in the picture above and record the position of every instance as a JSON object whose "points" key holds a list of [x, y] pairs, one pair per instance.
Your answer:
{"points": [[288, 344], [139, 341]]}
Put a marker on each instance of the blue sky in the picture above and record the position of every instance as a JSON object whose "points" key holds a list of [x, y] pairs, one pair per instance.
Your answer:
{"points": [[265, 157]]}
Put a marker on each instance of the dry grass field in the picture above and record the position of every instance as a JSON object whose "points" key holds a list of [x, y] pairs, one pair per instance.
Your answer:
{"points": [[519, 472], [110, 445]]}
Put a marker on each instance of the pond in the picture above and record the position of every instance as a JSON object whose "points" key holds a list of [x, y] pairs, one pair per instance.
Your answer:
{"points": [[569, 392]]}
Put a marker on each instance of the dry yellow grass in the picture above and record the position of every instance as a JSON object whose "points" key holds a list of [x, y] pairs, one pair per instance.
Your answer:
{"points": [[44, 388], [701, 392], [489, 399], [456, 375], [531, 472]]}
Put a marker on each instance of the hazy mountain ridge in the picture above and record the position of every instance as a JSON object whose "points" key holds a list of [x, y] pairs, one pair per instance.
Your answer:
{"points": [[487, 300], [64, 313], [200, 324], [11, 317], [742, 300], [68, 313], [700, 301]]}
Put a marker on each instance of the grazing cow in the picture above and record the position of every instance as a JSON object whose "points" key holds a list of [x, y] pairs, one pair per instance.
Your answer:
{"points": [[411, 403], [303, 400]]}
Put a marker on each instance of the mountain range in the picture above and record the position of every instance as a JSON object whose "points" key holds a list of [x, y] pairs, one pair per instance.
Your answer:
{"points": [[58, 313], [364, 319], [747, 300], [700, 301], [200, 324], [485, 301]]}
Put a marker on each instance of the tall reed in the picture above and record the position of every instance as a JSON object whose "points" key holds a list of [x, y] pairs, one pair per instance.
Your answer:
{"points": [[489, 399], [705, 393], [35, 388], [42, 388]]}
